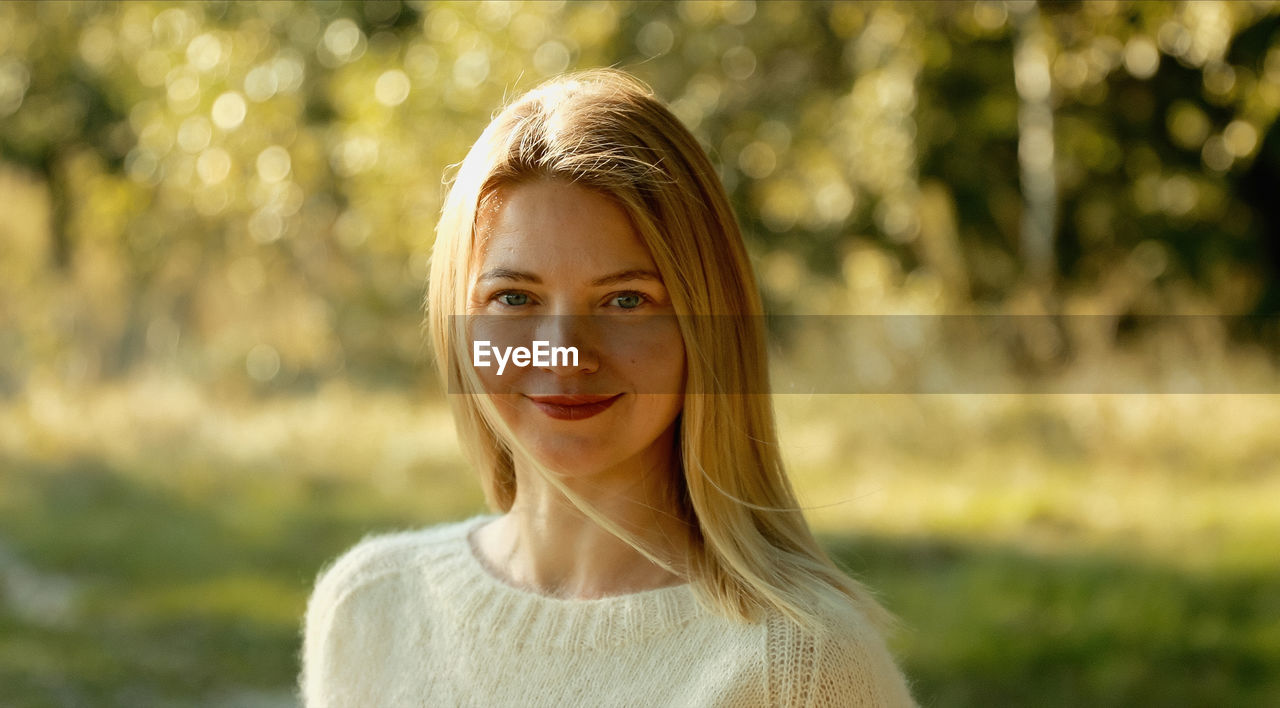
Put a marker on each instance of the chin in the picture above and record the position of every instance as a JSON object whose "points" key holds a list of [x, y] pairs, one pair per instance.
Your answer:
{"points": [[575, 456], [623, 436]]}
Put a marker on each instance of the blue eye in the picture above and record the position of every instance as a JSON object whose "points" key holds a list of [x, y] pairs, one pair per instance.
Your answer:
{"points": [[513, 299], [629, 301]]}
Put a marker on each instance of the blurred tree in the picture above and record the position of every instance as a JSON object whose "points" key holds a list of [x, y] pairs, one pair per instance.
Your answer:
{"points": [[53, 106], [1258, 48], [246, 191]]}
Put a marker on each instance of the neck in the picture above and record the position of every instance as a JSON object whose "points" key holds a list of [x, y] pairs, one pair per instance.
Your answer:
{"points": [[546, 544]]}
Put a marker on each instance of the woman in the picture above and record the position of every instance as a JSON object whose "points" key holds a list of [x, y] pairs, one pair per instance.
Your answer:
{"points": [[648, 548]]}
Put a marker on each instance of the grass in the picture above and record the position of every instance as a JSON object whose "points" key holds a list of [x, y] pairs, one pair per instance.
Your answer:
{"points": [[991, 625], [173, 596], [157, 546], [1058, 550], [188, 555]]}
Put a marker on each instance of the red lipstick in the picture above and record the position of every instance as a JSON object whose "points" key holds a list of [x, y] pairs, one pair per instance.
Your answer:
{"points": [[573, 406]]}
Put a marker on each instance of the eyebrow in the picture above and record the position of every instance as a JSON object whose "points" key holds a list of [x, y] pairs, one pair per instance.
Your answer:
{"points": [[508, 274], [611, 279], [625, 275]]}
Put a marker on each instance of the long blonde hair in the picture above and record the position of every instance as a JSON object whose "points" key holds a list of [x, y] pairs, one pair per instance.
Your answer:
{"points": [[604, 130]]}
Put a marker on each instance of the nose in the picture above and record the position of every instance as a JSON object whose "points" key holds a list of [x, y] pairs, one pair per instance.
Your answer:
{"points": [[573, 341]]}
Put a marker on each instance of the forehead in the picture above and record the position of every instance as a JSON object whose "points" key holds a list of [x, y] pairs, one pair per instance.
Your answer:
{"points": [[556, 226]]}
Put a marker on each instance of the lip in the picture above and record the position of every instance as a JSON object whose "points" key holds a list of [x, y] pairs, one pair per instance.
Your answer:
{"points": [[573, 406]]}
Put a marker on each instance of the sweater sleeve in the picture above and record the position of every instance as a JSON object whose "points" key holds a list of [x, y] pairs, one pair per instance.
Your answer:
{"points": [[849, 667], [348, 612], [331, 588]]}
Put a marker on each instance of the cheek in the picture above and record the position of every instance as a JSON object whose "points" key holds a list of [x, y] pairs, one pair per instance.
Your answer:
{"points": [[505, 385], [508, 406], [667, 366], [491, 339], [663, 372], [651, 357], [503, 390]]}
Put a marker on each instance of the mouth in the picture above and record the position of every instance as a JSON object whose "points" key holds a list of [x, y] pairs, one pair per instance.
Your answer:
{"points": [[573, 406]]}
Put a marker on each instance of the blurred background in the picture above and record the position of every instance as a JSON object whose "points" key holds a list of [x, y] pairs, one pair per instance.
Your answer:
{"points": [[215, 220]]}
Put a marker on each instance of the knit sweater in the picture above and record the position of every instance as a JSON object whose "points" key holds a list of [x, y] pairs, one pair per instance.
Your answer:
{"points": [[415, 619]]}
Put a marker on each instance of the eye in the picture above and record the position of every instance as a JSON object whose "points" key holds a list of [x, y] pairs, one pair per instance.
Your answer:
{"points": [[629, 301], [512, 299]]}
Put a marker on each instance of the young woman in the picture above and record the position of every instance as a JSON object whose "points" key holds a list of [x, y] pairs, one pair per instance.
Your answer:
{"points": [[647, 547]]}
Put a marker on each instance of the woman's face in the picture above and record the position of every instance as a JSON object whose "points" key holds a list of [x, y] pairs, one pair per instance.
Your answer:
{"points": [[562, 264]]}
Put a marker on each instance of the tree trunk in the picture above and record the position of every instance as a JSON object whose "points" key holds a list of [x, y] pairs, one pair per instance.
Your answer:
{"points": [[53, 169], [1036, 159]]}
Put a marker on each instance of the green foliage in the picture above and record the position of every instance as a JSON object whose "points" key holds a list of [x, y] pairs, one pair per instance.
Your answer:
{"points": [[251, 188]]}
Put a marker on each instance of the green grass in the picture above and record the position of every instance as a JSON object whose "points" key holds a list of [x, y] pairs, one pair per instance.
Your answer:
{"points": [[186, 536], [157, 547], [173, 596], [990, 625]]}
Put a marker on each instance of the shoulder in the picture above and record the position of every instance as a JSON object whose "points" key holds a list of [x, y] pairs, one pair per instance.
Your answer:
{"points": [[383, 556], [846, 664], [365, 599]]}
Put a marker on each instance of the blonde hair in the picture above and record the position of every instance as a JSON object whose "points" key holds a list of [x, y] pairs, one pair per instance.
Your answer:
{"points": [[604, 130]]}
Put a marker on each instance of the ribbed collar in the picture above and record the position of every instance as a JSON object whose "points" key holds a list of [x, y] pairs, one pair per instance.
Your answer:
{"points": [[486, 605]]}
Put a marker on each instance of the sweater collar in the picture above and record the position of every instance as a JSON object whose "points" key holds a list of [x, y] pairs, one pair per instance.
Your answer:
{"points": [[486, 604]]}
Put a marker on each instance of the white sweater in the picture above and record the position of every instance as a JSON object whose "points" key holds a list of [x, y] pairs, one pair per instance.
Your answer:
{"points": [[414, 619]]}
